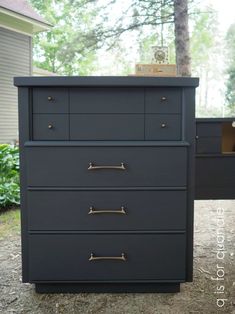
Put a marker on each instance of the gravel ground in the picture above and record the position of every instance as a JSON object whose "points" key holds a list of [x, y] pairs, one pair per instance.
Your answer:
{"points": [[197, 297]]}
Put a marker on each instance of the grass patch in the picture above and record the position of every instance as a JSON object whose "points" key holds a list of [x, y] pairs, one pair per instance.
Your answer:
{"points": [[9, 223]]}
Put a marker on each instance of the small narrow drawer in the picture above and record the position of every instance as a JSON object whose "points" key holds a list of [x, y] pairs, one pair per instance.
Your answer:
{"points": [[209, 129], [107, 127], [106, 100], [50, 100], [207, 145], [50, 127], [76, 257], [163, 127], [163, 100], [107, 210]]}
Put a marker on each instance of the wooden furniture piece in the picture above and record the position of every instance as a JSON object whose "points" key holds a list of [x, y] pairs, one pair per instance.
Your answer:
{"points": [[155, 69], [215, 158], [107, 182]]}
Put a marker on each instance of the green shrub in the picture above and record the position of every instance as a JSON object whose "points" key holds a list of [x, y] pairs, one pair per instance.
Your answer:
{"points": [[9, 176]]}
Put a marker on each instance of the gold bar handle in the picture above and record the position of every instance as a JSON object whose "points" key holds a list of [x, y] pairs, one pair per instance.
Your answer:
{"points": [[93, 167], [104, 211], [97, 258]]}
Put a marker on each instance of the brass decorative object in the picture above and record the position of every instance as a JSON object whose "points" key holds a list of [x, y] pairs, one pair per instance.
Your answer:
{"points": [[160, 54], [159, 65]]}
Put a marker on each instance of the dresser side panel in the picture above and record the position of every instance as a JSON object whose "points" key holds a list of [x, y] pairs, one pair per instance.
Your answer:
{"points": [[24, 99]]}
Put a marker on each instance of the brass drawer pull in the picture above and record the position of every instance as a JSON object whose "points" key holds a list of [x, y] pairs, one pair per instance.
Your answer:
{"points": [[93, 167], [96, 258], [104, 211]]}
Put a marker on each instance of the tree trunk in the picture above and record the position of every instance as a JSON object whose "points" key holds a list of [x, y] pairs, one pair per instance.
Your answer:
{"points": [[183, 60]]}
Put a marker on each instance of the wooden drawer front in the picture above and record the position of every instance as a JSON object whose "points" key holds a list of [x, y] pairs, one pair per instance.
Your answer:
{"points": [[107, 210], [163, 127], [144, 166], [50, 127], [163, 100], [107, 127], [205, 129], [215, 172], [66, 257], [50, 100], [208, 145], [215, 177], [106, 100]]}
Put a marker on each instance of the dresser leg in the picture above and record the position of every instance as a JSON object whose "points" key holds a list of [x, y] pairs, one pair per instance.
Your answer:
{"points": [[108, 288]]}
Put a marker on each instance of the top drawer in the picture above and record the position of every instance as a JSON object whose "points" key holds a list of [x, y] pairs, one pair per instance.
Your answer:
{"points": [[106, 100], [111, 100], [50, 100], [163, 100]]}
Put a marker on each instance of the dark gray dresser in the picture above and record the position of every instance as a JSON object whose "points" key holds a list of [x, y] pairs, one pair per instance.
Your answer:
{"points": [[107, 182], [215, 158]]}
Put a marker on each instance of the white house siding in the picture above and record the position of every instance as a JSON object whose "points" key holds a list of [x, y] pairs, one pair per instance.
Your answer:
{"points": [[15, 60]]}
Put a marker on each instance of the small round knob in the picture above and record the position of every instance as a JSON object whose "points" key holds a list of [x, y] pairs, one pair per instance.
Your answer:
{"points": [[163, 125], [197, 137], [50, 126], [163, 98], [50, 98]]}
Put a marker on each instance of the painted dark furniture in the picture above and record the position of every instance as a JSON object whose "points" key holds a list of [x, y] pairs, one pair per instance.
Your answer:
{"points": [[107, 182], [215, 158]]}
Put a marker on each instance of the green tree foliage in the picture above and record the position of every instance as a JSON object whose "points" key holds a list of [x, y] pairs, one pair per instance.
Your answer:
{"points": [[82, 26], [66, 48], [206, 52], [206, 47], [230, 84], [149, 21], [9, 179], [136, 15], [203, 38]]}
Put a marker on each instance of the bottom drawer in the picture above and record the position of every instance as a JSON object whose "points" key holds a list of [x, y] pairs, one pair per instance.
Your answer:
{"points": [[69, 257]]}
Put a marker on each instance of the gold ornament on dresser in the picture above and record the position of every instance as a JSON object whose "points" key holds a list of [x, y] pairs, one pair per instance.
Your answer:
{"points": [[159, 65]]}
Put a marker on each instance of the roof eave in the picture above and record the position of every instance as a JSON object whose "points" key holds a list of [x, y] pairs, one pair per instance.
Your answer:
{"points": [[20, 22]]}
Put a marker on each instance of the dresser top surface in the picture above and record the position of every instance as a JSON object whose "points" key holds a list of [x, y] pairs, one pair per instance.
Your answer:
{"points": [[105, 81]]}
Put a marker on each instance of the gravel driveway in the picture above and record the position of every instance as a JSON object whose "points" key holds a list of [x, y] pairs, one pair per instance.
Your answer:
{"points": [[214, 232]]}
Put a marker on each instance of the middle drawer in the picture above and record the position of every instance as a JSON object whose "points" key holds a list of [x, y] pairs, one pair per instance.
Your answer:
{"points": [[107, 210], [92, 166]]}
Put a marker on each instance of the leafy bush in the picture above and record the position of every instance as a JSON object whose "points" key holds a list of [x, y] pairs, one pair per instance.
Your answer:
{"points": [[9, 176]]}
